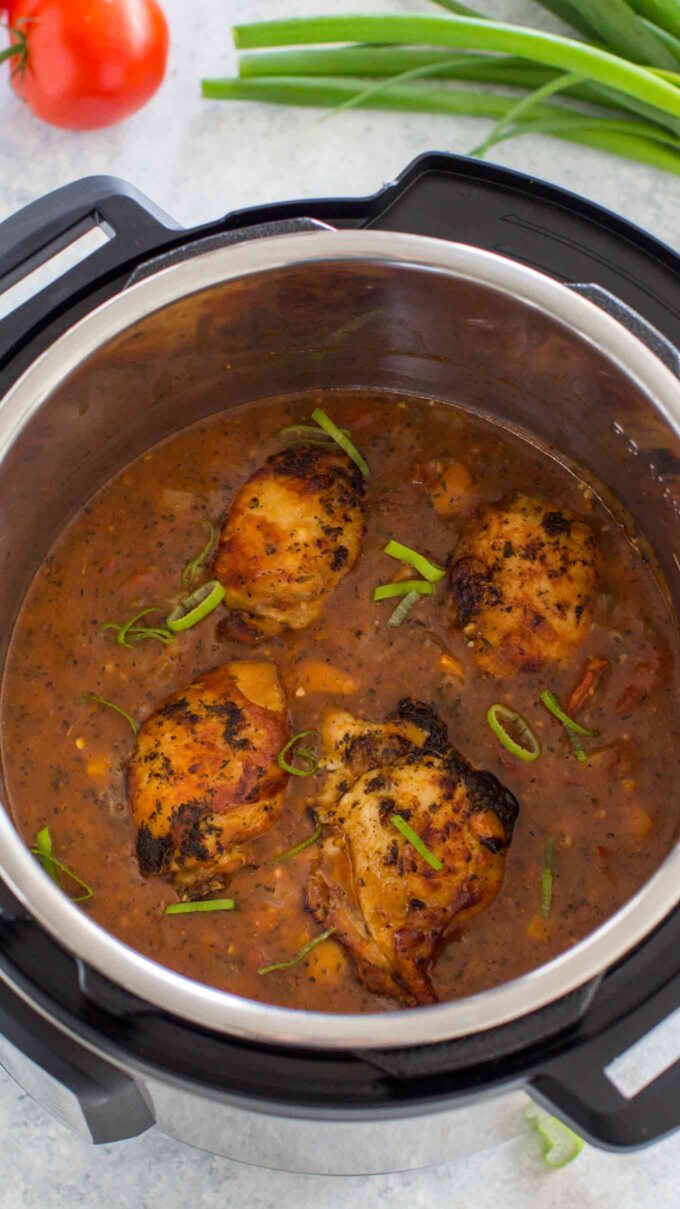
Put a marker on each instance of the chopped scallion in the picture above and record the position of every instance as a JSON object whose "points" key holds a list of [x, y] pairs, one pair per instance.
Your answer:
{"points": [[415, 841], [192, 568], [547, 878], [300, 955], [420, 586], [291, 852], [98, 700], [299, 753], [341, 439], [525, 746], [429, 570], [44, 852], [129, 632], [574, 729], [403, 609], [204, 904], [560, 1144], [197, 606]]}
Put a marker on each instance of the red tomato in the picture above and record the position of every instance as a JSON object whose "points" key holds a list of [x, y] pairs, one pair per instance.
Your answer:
{"points": [[90, 63]]}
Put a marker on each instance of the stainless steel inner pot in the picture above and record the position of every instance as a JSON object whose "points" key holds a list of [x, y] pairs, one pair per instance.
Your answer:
{"points": [[334, 309]]}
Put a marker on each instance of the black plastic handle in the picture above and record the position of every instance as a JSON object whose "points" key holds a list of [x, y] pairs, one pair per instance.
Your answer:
{"points": [[28, 239], [577, 1088]]}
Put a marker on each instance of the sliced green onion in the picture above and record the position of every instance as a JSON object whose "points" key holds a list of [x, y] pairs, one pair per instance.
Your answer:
{"points": [[50, 863], [43, 850], [192, 568], [130, 630], [576, 746], [302, 953], [205, 904], [300, 753], [429, 570], [95, 697], [403, 609], [560, 1144], [291, 852], [416, 842], [309, 430], [550, 702], [547, 878], [526, 746], [197, 606], [339, 437], [420, 586]]}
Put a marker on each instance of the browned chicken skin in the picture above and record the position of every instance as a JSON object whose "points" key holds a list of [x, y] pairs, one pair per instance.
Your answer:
{"points": [[203, 780], [388, 906], [522, 579], [292, 533]]}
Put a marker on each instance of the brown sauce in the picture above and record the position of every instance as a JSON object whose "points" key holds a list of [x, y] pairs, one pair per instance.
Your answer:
{"points": [[612, 819]]}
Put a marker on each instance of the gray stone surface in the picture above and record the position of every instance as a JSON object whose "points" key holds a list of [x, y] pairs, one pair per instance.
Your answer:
{"points": [[198, 159]]}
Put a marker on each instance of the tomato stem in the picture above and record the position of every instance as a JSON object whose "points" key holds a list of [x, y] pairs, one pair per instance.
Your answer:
{"points": [[17, 50]]}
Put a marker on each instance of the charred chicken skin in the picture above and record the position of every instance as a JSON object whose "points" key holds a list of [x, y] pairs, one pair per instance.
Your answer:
{"points": [[292, 533], [389, 907], [203, 780], [522, 579]]}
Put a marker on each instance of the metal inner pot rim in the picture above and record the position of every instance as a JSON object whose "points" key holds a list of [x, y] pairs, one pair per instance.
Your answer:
{"points": [[219, 1010]]}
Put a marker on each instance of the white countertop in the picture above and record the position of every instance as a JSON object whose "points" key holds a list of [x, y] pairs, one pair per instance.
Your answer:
{"points": [[197, 160]]}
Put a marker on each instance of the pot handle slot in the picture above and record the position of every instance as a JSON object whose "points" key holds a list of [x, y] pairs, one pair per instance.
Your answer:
{"points": [[75, 1085], [633, 322], [133, 226], [576, 1086]]}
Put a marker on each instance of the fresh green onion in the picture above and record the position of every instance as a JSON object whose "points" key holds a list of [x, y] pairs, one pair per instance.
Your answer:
{"points": [[50, 863], [416, 842], [205, 904], [420, 586], [403, 609], [620, 28], [300, 753], [665, 13], [341, 439], [560, 1144], [521, 108], [526, 746], [429, 570], [563, 53], [135, 633], [197, 606], [547, 878], [300, 955], [291, 852], [43, 850], [97, 700], [550, 702], [576, 746], [192, 568]]}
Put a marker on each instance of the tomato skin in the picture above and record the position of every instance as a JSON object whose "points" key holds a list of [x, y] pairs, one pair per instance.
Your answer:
{"points": [[90, 62]]}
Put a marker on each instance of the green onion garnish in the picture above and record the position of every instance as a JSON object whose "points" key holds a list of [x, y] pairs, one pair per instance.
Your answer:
{"points": [[525, 746], [416, 842], [95, 697], [291, 852], [403, 609], [311, 944], [300, 753], [420, 586], [547, 878], [423, 566], [50, 863], [192, 568], [205, 904], [195, 607], [550, 702], [573, 729], [135, 633], [339, 437], [560, 1144]]}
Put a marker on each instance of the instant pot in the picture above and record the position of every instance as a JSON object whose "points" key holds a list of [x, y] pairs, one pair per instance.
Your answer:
{"points": [[460, 281]]}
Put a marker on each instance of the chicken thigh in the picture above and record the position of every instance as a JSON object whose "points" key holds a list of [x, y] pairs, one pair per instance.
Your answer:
{"points": [[203, 780], [388, 905], [292, 533], [522, 579]]}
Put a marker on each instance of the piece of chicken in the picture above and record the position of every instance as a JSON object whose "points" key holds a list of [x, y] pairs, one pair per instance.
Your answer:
{"points": [[203, 780], [388, 906], [522, 578], [292, 533]]}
